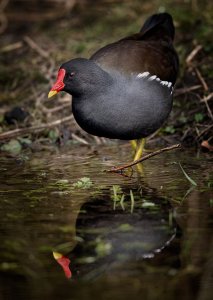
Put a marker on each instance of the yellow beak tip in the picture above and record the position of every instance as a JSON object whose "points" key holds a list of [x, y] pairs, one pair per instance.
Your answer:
{"points": [[57, 255], [52, 93]]}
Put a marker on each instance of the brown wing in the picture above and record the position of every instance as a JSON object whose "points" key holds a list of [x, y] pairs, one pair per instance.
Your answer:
{"points": [[147, 51]]}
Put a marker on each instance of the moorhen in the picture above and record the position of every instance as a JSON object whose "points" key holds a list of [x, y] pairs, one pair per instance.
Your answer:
{"points": [[124, 91]]}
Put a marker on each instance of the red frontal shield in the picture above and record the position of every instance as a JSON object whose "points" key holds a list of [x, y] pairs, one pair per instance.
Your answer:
{"points": [[59, 84]]}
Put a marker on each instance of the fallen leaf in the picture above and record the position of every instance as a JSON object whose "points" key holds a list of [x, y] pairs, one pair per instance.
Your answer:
{"points": [[206, 145]]}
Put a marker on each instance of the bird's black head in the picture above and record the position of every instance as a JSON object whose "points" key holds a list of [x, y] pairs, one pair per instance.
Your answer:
{"points": [[79, 76]]}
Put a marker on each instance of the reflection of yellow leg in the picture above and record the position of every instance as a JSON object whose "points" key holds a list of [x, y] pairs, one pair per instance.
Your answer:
{"points": [[140, 169], [140, 149]]}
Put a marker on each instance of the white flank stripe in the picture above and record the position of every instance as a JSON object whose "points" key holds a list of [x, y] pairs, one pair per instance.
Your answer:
{"points": [[154, 77], [142, 75]]}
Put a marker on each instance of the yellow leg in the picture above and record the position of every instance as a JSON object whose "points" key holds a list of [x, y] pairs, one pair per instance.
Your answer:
{"points": [[140, 149], [134, 144]]}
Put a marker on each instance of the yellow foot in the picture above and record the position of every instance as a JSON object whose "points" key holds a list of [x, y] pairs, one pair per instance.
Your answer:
{"points": [[140, 149]]}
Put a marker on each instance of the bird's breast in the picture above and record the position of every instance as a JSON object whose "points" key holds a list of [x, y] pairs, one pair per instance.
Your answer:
{"points": [[123, 113]]}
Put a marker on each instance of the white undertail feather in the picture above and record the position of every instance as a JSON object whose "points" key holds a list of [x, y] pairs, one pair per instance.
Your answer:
{"points": [[142, 75], [154, 77]]}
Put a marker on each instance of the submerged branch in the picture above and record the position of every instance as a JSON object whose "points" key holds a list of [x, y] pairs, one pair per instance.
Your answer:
{"points": [[121, 168]]}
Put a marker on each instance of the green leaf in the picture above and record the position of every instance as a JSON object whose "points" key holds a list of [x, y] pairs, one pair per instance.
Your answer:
{"points": [[53, 134], [83, 183], [122, 202], [1, 119], [147, 204], [103, 247], [187, 176], [199, 117], [116, 193], [13, 146], [125, 227], [132, 201], [25, 141], [169, 129]]}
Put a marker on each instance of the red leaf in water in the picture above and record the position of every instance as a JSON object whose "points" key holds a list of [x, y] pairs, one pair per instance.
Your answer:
{"points": [[64, 262]]}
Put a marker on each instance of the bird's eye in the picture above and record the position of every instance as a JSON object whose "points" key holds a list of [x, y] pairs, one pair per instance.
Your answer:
{"points": [[72, 74]]}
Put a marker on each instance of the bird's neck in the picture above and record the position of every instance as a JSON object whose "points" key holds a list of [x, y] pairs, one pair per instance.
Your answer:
{"points": [[97, 86]]}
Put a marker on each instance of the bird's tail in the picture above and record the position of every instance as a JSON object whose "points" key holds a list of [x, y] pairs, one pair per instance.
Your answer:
{"points": [[160, 25]]}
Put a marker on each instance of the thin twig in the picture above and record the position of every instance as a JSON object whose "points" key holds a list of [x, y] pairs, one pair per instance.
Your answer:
{"points": [[12, 47], [185, 90], [79, 139], [57, 108], [3, 18], [209, 110], [202, 80], [97, 140], [204, 131], [153, 135], [33, 129], [36, 47], [192, 54], [104, 140], [207, 98], [121, 168], [44, 54]]}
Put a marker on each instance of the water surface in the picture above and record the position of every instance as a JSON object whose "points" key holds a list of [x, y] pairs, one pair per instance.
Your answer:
{"points": [[146, 237]]}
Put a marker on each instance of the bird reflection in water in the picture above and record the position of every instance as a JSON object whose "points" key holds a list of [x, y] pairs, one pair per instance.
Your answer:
{"points": [[64, 262], [118, 227]]}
